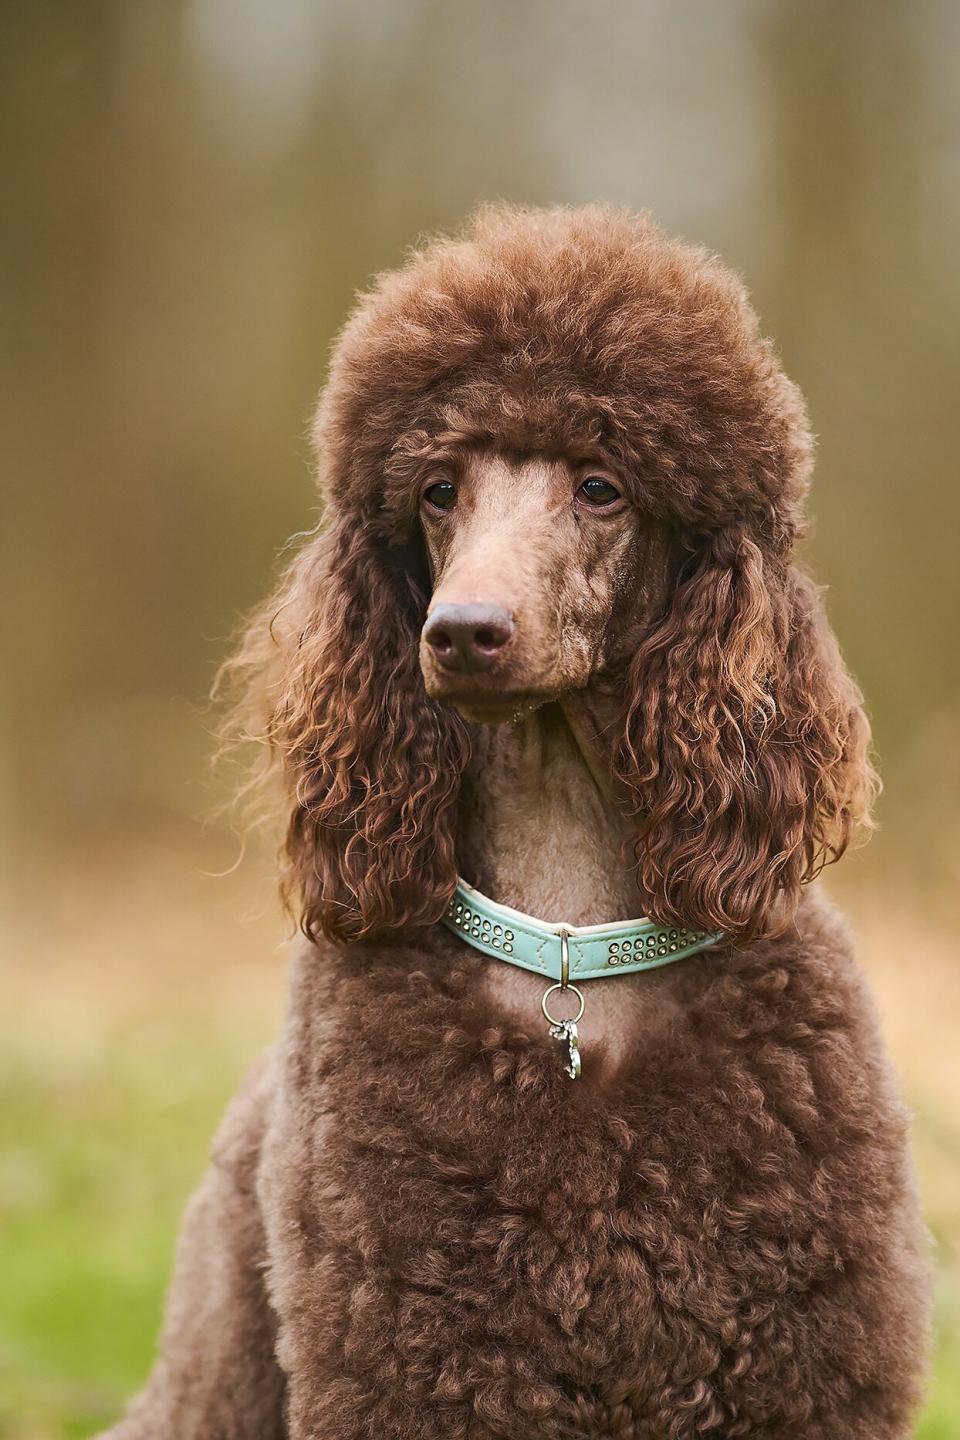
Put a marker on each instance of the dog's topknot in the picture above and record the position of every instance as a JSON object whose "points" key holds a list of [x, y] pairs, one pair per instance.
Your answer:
{"points": [[586, 332]]}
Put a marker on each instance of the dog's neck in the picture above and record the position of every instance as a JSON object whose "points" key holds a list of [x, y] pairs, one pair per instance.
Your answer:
{"points": [[539, 826], [540, 830]]}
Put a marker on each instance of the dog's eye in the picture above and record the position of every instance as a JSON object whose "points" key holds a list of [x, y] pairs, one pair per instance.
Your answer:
{"points": [[442, 495], [598, 491]]}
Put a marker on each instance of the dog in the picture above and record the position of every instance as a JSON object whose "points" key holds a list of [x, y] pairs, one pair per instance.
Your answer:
{"points": [[548, 666]]}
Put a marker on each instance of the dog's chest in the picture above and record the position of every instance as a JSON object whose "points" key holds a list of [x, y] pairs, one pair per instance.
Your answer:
{"points": [[467, 1232]]}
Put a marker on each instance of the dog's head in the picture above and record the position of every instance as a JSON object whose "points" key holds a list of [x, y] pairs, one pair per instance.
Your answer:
{"points": [[553, 450]]}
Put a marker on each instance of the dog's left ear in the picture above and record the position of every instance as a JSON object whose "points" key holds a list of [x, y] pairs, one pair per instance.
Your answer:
{"points": [[371, 767], [744, 750]]}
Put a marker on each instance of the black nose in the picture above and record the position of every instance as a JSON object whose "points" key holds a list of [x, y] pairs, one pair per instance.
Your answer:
{"points": [[467, 637]]}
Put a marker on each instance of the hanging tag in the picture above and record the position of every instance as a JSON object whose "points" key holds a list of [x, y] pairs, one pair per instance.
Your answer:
{"points": [[566, 1031]]}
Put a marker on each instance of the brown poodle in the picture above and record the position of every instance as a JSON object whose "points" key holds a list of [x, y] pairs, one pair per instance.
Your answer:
{"points": [[551, 641]]}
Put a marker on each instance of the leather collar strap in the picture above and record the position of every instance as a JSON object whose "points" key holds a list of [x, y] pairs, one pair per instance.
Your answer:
{"points": [[592, 951]]}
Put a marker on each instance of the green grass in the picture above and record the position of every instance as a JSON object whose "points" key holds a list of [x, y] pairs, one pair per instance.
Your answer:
{"points": [[941, 1418], [98, 1159], [96, 1164]]}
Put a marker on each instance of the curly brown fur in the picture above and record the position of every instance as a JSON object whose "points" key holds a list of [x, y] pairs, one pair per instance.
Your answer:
{"points": [[745, 745], [468, 1246], [415, 1226]]}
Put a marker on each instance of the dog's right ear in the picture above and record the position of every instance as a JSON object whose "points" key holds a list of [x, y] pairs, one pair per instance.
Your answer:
{"points": [[372, 766]]}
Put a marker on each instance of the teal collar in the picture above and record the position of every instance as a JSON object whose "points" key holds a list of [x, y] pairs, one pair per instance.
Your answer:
{"points": [[591, 951]]}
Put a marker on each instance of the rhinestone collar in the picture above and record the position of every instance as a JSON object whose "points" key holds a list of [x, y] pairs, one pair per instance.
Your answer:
{"points": [[594, 950]]}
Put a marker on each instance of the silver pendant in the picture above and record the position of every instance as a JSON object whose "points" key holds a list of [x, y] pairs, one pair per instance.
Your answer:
{"points": [[566, 1030]]}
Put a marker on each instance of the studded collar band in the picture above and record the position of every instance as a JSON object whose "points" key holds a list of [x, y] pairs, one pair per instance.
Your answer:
{"points": [[565, 953]]}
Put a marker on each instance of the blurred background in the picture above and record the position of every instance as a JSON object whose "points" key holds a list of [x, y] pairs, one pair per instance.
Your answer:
{"points": [[193, 191]]}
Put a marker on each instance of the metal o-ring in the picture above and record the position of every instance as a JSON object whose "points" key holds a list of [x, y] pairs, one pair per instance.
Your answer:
{"points": [[572, 989]]}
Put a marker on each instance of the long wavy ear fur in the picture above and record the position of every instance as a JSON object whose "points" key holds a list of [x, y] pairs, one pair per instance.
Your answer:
{"points": [[744, 748], [331, 677]]}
